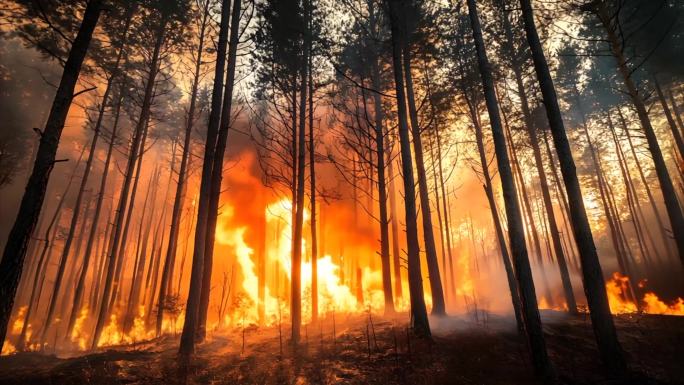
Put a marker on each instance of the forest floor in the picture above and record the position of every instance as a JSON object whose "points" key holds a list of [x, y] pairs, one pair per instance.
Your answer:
{"points": [[463, 350]]}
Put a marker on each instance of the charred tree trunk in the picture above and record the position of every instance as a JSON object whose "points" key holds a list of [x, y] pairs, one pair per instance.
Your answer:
{"points": [[594, 284], [80, 285], [501, 240], [663, 231], [43, 259], [135, 146], [527, 206], [438, 305], [312, 181], [296, 282], [540, 358], [674, 211], [381, 178], [192, 308], [217, 169], [17, 241], [172, 247], [394, 223], [670, 120], [421, 325], [546, 195]]}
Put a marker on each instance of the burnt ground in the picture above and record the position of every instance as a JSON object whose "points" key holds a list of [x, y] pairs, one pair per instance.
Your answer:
{"points": [[464, 350]]}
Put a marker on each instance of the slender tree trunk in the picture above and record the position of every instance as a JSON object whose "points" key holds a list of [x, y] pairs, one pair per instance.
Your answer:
{"points": [[445, 208], [670, 120], [118, 222], [381, 178], [675, 109], [122, 252], [501, 240], [527, 206], [594, 284], [172, 248], [546, 195], [438, 305], [43, 259], [421, 325], [29, 210], [192, 308], [394, 223], [312, 181], [139, 266], [217, 169], [632, 198], [540, 358], [674, 211], [80, 285], [663, 231], [296, 294]]}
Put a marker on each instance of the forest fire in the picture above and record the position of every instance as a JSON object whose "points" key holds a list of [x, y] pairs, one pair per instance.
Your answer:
{"points": [[618, 290], [375, 191]]}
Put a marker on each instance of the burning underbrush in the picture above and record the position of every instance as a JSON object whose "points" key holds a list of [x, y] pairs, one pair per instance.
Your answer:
{"points": [[367, 349]]}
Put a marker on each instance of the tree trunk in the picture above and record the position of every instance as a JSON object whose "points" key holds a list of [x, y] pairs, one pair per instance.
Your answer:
{"points": [[17, 241], [527, 206], [438, 306], [381, 178], [312, 181], [663, 231], [594, 285], [296, 282], [217, 169], [546, 195], [421, 325], [139, 132], [80, 285], [670, 120], [540, 358], [501, 240], [172, 247], [674, 211], [394, 222], [187, 342], [43, 260]]}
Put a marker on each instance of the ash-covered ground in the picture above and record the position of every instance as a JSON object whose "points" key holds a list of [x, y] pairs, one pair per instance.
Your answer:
{"points": [[357, 350]]}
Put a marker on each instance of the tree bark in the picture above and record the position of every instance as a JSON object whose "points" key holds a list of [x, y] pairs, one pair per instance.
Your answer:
{"points": [[34, 194], [179, 198], [438, 305], [217, 169], [674, 211], [540, 358], [80, 285], [421, 325], [187, 342], [135, 146], [43, 259], [594, 284]]}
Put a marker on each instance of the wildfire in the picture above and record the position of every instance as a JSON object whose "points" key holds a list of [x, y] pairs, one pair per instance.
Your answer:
{"points": [[78, 335], [617, 287], [18, 323], [334, 294], [7, 349]]}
